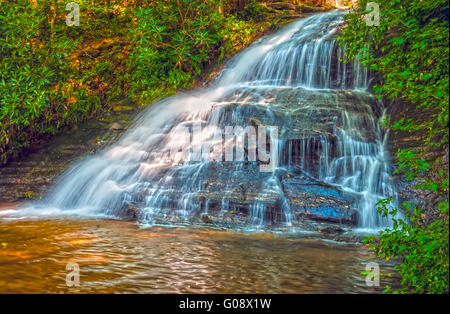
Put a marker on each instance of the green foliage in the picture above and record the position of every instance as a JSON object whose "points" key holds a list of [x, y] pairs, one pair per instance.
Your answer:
{"points": [[410, 49], [424, 249], [53, 76], [175, 40], [33, 75], [254, 11]]}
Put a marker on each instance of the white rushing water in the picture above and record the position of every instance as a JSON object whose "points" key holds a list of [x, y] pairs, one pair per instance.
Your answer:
{"points": [[292, 77]]}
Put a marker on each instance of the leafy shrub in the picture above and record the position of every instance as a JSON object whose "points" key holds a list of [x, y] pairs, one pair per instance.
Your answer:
{"points": [[254, 11], [410, 49], [48, 78], [53, 76], [175, 40], [35, 90], [422, 247]]}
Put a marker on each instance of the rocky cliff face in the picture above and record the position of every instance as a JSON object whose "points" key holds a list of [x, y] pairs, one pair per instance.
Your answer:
{"points": [[30, 177], [398, 139]]}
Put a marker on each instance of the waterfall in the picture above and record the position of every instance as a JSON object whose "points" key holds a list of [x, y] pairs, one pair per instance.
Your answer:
{"points": [[328, 130]]}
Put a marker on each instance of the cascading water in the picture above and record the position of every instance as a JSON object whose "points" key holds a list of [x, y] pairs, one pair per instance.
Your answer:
{"points": [[328, 132]]}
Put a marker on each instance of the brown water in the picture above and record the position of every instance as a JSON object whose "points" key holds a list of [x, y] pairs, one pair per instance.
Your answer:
{"points": [[119, 257]]}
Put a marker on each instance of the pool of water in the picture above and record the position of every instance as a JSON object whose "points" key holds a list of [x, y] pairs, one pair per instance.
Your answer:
{"points": [[121, 257]]}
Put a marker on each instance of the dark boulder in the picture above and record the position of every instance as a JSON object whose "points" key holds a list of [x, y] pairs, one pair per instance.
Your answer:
{"points": [[206, 219], [130, 212], [318, 201]]}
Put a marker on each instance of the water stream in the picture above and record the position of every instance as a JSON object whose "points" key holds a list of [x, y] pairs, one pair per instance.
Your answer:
{"points": [[118, 257]]}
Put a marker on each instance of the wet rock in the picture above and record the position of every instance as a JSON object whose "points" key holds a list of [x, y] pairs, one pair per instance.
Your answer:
{"points": [[301, 114], [282, 6], [332, 230], [310, 9], [206, 219], [248, 196], [130, 212], [116, 126], [291, 16], [318, 201]]}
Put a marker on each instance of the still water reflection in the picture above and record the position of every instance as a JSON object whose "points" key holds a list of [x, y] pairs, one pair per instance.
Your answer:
{"points": [[120, 257]]}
